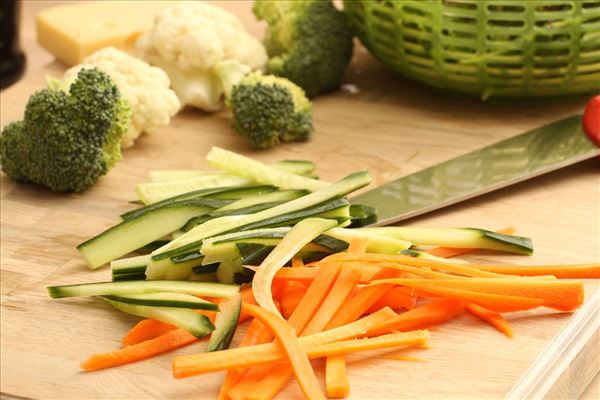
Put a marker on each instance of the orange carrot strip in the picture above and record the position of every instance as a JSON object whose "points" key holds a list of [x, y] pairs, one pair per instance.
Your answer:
{"points": [[391, 259], [296, 354], [491, 317], [431, 314], [169, 341], [398, 297], [576, 271], [297, 262], [249, 356], [447, 252], [358, 245], [220, 360], [146, 329], [560, 295], [276, 378], [494, 302], [307, 274], [336, 378], [291, 298]]}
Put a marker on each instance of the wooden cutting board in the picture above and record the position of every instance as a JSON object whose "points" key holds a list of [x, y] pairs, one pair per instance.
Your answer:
{"points": [[392, 127]]}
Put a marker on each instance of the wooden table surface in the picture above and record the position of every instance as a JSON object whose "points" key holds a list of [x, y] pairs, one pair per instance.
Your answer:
{"points": [[392, 127]]}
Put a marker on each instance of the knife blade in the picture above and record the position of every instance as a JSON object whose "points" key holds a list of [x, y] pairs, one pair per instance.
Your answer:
{"points": [[498, 165]]}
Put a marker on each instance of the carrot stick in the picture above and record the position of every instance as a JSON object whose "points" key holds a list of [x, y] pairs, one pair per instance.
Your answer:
{"points": [[296, 354], [169, 341], [431, 314], [291, 298], [336, 378], [358, 245], [249, 356], [412, 338], [297, 262], [307, 274], [491, 317], [447, 252], [560, 295], [494, 302], [398, 297], [146, 329], [576, 271]]}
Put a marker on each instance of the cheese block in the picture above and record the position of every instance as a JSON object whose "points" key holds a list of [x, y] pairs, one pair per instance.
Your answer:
{"points": [[72, 32]]}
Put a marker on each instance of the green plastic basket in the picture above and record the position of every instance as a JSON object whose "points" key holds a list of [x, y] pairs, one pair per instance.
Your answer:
{"points": [[509, 48]]}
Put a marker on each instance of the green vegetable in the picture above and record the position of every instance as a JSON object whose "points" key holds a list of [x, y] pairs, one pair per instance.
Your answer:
{"points": [[308, 42], [67, 140], [269, 110]]}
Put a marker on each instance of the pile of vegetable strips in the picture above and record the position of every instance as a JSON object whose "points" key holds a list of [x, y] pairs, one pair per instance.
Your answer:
{"points": [[285, 254]]}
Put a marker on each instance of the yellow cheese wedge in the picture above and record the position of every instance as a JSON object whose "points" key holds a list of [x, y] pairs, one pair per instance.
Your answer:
{"points": [[74, 31]]}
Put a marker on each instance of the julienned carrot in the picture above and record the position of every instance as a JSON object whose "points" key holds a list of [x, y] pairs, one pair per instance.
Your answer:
{"points": [[296, 354], [431, 314], [336, 379], [257, 333], [169, 341], [416, 271], [446, 252], [358, 245], [491, 317], [325, 277], [146, 329], [392, 259], [291, 298], [297, 262], [576, 271], [341, 289], [494, 302], [398, 297], [561, 295], [307, 274], [220, 360], [245, 357]]}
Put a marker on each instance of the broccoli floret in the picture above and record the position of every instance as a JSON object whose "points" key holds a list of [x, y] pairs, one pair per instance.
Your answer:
{"points": [[269, 110], [309, 42], [69, 136]]}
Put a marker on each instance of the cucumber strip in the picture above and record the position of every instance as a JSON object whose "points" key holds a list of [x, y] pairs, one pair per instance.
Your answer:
{"points": [[277, 196], [129, 276], [128, 265], [203, 277], [457, 237], [218, 226], [194, 222], [362, 215], [204, 269], [150, 247], [215, 197], [180, 271], [300, 235], [176, 300], [226, 324], [255, 171], [375, 243], [297, 167], [196, 324], [140, 287], [134, 233], [153, 192]]}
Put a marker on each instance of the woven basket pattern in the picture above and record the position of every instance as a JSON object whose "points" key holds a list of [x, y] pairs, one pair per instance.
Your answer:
{"points": [[508, 48]]}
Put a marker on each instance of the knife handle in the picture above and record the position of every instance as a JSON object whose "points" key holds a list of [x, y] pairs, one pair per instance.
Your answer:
{"points": [[591, 120]]}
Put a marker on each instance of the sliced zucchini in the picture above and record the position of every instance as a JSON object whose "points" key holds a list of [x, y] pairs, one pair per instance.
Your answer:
{"points": [[175, 300], [129, 265], [129, 276], [134, 233], [255, 171], [300, 235], [296, 167], [226, 324], [375, 243], [205, 269], [362, 215], [272, 197], [215, 197], [457, 237], [196, 324], [140, 287], [153, 192], [193, 239]]}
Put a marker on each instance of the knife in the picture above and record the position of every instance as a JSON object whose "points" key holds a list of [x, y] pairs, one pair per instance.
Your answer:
{"points": [[513, 160]]}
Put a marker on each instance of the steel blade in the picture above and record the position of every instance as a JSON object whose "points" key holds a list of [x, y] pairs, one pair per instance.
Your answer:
{"points": [[501, 164]]}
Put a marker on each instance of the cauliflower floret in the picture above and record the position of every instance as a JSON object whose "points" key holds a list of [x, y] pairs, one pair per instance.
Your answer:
{"points": [[146, 88], [189, 41]]}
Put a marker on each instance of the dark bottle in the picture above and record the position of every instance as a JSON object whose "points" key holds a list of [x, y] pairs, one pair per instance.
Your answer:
{"points": [[12, 59]]}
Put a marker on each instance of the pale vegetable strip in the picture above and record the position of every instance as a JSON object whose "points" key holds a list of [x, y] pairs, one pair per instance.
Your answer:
{"points": [[300, 235], [296, 354], [249, 356], [446, 252]]}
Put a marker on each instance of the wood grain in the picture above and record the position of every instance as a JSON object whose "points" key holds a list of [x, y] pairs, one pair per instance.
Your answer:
{"points": [[392, 127]]}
